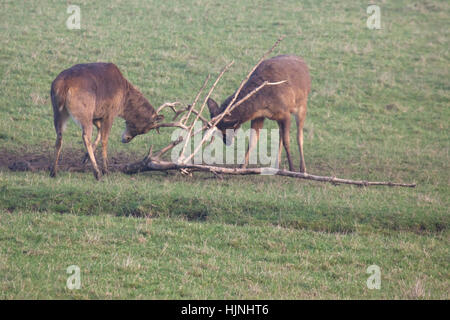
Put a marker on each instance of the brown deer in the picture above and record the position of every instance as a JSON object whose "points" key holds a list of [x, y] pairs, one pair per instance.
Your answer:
{"points": [[275, 102], [94, 94]]}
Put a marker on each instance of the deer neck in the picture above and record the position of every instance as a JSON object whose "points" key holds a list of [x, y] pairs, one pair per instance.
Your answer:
{"points": [[136, 103]]}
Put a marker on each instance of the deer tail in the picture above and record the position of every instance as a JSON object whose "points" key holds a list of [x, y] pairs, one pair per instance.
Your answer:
{"points": [[58, 94]]}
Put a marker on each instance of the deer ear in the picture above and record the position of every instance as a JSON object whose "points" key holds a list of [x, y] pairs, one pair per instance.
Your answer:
{"points": [[213, 107]]}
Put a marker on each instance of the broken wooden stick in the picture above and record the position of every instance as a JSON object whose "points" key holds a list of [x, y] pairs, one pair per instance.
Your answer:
{"points": [[151, 163]]}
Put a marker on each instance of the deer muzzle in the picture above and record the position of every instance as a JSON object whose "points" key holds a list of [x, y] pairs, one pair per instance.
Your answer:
{"points": [[126, 137]]}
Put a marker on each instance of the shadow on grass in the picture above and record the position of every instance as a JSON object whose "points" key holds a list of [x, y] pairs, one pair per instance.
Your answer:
{"points": [[324, 216]]}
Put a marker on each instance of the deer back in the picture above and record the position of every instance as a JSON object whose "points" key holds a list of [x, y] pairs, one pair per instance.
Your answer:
{"points": [[277, 101]]}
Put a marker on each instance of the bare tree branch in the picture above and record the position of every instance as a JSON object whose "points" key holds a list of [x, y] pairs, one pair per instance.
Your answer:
{"points": [[201, 110], [265, 83], [213, 123], [217, 119], [169, 147], [154, 164], [192, 107]]}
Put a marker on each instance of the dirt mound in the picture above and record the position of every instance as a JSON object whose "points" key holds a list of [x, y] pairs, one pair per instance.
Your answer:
{"points": [[70, 160]]}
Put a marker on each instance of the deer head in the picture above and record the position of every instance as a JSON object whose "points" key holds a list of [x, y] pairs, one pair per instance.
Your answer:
{"points": [[140, 120], [227, 126]]}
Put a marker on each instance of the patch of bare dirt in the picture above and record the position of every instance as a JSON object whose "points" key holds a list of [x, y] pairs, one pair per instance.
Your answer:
{"points": [[70, 160]]}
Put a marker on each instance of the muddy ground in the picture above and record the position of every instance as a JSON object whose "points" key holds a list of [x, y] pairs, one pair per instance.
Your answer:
{"points": [[70, 160]]}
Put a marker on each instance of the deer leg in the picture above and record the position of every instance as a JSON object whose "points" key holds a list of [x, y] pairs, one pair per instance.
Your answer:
{"points": [[97, 124], [105, 130], [300, 121], [256, 126], [285, 128], [87, 134], [280, 147], [60, 120], [58, 145]]}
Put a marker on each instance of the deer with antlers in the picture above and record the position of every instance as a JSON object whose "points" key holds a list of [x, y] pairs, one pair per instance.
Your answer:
{"points": [[93, 95], [277, 103]]}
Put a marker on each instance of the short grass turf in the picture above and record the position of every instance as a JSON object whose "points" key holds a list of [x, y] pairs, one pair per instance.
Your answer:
{"points": [[378, 110]]}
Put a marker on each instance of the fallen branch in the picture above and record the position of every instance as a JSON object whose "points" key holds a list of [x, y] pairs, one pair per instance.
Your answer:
{"points": [[191, 108], [212, 125], [155, 163], [230, 105], [248, 96], [202, 107], [151, 163]]}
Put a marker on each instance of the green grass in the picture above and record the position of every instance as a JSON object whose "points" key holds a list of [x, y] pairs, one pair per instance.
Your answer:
{"points": [[300, 205], [166, 258], [378, 110]]}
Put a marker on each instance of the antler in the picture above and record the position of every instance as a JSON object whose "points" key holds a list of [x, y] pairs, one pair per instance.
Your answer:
{"points": [[171, 105]]}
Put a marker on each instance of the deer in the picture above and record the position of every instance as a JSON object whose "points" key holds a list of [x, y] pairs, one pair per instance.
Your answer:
{"points": [[276, 102], [94, 94]]}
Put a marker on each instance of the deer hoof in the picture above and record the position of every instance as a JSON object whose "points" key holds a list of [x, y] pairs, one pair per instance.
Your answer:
{"points": [[52, 172], [97, 174], [85, 159]]}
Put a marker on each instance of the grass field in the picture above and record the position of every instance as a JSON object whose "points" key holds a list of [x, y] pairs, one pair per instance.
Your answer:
{"points": [[378, 110]]}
